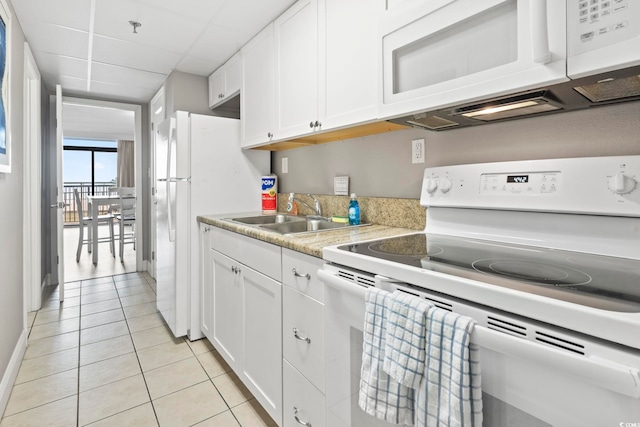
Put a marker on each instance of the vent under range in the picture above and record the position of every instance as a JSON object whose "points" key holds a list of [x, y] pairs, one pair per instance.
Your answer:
{"points": [[356, 278], [560, 343], [431, 122], [611, 89], [510, 328]]}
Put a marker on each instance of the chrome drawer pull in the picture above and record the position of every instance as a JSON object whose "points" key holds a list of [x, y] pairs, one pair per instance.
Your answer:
{"points": [[295, 334], [295, 273], [295, 415]]}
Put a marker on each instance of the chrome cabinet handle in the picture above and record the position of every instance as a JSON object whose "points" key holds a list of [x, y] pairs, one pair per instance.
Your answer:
{"points": [[298, 337], [311, 125], [317, 124], [235, 269], [306, 276], [269, 135], [298, 420]]}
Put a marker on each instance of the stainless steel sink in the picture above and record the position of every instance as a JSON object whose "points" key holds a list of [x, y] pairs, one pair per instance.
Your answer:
{"points": [[268, 219], [304, 226]]}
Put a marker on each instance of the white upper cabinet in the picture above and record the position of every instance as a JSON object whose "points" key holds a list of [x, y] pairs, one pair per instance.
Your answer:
{"points": [[296, 41], [225, 82], [257, 98], [349, 61]]}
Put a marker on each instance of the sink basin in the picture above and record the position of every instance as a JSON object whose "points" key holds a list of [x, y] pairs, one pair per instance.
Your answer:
{"points": [[268, 219], [303, 226]]}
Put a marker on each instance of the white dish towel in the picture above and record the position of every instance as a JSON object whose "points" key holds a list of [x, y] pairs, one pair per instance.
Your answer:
{"points": [[450, 393], [405, 351], [380, 395]]}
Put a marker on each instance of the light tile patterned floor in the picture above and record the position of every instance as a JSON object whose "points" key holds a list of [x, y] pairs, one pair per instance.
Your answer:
{"points": [[105, 358]]}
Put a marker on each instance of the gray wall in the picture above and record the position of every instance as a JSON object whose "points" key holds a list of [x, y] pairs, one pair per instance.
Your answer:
{"points": [[11, 209], [380, 165], [186, 92]]}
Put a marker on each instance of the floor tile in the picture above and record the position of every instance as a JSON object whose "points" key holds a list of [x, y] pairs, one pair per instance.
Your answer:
{"points": [[125, 283], [61, 413], [97, 281], [213, 363], [31, 317], [140, 309], [189, 406], [252, 414], [39, 392], [110, 399], [40, 347], [106, 349], [148, 321], [137, 299], [163, 354], [108, 370], [99, 297], [128, 276], [55, 328], [140, 416], [225, 419], [72, 285], [98, 307], [200, 346], [232, 390], [104, 287], [71, 292], [56, 315], [173, 377], [152, 337], [102, 318], [103, 332], [55, 304], [135, 290], [43, 366]]}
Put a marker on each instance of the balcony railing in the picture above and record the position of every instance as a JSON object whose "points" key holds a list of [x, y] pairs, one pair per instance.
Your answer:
{"points": [[84, 188]]}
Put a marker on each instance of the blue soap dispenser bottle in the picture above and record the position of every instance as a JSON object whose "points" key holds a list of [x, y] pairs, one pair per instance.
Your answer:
{"points": [[354, 211]]}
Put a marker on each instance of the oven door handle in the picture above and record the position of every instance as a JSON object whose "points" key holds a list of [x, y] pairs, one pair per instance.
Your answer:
{"points": [[595, 370]]}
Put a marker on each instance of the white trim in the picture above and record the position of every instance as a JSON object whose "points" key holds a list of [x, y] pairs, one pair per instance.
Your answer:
{"points": [[11, 372], [157, 113], [32, 233], [137, 110]]}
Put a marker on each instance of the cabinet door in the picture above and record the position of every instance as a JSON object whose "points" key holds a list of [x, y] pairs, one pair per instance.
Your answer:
{"points": [[349, 62], [216, 87], [296, 39], [303, 403], [262, 340], [258, 89], [206, 283], [232, 76], [227, 308]]}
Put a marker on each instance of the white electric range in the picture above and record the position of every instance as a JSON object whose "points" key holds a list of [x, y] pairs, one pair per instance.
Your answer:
{"points": [[545, 255]]}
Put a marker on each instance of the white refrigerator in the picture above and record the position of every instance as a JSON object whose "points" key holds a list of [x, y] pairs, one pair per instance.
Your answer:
{"points": [[200, 170]]}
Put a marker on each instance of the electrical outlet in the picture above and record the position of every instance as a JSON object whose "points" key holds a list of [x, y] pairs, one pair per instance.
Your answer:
{"points": [[417, 151], [285, 165]]}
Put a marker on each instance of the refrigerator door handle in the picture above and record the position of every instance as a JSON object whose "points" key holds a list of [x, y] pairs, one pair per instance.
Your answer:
{"points": [[174, 179], [170, 200]]}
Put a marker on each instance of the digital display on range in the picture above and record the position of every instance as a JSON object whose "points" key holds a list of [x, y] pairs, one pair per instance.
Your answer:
{"points": [[518, 179]]}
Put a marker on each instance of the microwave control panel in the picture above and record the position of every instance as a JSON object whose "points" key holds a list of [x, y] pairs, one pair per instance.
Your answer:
{"points": [[594, 24]]}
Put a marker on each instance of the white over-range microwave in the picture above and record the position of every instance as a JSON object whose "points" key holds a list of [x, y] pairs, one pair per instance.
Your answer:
{"points": [[458, 58]]}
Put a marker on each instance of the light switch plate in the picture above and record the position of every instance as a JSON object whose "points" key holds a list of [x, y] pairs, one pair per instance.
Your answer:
{"points": [[341, 185], [285, 165]]}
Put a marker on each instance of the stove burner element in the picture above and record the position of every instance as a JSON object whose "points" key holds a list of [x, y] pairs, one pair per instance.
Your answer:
{"points": [[412, 245], [545, 274]]}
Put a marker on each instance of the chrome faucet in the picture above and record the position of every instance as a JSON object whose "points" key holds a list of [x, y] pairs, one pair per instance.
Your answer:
{"points": [[316, 204]]}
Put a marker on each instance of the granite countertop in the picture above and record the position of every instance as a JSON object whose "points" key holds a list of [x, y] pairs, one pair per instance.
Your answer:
{"points": [[310, 243]]}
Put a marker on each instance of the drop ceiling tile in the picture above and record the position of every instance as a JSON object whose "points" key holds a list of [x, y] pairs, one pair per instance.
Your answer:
{"points": [[202, 10], [120, 92], [199, 66], [262, 13], [160, 28], [49, 63], [126, 76], [126, 54], [217, 43], [68, 83], [49, 38], [67, 13]]}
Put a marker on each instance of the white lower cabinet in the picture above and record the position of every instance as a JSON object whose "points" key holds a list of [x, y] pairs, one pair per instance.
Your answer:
{"points": [[303, 404], [245, 306]]}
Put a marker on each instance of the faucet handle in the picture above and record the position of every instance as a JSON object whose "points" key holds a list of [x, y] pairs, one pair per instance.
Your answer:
{"points": [[316, 203]]}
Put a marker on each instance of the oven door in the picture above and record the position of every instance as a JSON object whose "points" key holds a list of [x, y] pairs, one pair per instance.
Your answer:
{"points": [[523, 383], [446, 52]]}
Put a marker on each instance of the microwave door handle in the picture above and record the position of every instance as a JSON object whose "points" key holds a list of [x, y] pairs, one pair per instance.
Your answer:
{"points": [[539, 32], [595, 370]]}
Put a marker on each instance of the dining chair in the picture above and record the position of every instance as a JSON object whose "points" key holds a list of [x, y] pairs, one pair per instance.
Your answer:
{"points": [[126, 217], [88, 222]]}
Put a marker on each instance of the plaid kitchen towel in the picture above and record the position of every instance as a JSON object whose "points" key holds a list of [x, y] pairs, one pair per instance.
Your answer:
{"points": [[405, 350], [450, 393], [380, 395]]}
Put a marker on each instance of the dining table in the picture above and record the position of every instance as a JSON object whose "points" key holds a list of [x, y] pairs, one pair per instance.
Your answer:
{"points": [[95, 202]]}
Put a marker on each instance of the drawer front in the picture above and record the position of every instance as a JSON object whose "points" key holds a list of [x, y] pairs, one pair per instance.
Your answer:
{"points": [[299, 271], [261, 256], [303, 335], [301, 399]]}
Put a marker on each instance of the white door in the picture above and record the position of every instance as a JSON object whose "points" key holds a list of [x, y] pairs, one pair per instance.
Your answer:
{"points": [[158, 116], [59, 192]]}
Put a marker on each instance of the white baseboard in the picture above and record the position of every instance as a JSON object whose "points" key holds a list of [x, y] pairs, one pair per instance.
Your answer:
{"points": [[11, 372]]}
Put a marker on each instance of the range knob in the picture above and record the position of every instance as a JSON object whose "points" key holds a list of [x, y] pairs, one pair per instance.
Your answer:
{"points": [[431, 185], [445, 185], [621, 183]]}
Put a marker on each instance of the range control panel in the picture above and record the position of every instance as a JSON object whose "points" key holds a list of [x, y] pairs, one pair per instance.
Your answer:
{"points": [[588, 185]]}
